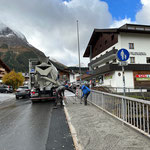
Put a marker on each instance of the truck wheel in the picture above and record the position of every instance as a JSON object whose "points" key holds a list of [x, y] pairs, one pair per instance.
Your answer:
{"points": [[17, 97]]}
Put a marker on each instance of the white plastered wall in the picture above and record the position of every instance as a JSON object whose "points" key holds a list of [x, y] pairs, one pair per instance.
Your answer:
{"points": [[141, 44], [129, 81], [117, 81]]}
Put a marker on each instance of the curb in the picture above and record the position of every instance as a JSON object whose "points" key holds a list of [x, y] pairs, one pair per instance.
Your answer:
{"points": [[73, 131]]}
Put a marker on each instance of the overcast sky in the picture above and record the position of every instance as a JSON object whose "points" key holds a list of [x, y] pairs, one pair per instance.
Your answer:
{"points": [[51, 25]]}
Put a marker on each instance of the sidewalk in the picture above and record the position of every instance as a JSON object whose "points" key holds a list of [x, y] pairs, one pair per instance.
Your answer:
{"points": [[93, 129]]}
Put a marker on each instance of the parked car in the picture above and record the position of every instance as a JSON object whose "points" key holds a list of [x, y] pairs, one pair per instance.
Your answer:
{"points": [[6, 89], [23, 92]]}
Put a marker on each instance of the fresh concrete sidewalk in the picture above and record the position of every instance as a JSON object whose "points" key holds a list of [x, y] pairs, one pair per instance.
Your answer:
{"points": [[96, 130]]}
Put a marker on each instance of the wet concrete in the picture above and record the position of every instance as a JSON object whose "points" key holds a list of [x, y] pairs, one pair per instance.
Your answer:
{"points": [[59, 137], [96, 130]]}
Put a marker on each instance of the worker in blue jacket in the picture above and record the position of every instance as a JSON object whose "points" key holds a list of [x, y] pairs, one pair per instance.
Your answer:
{"points": [[86, 91]]}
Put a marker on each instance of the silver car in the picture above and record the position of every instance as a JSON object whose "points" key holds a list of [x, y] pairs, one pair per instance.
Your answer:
{"points": [[6, 89], [23, 92]]}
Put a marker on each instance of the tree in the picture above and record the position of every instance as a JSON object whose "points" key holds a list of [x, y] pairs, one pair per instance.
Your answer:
{"points": [[14, 79]]}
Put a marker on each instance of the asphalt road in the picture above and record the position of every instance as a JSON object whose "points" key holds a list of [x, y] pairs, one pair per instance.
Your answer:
{"points": [[27, 126]]}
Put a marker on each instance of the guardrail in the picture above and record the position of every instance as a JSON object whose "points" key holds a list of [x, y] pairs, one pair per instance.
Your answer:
{"points": [[132, 111]]}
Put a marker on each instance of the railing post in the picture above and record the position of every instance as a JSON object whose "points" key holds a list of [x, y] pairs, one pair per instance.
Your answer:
{"points": [[123, 109], [102, 100], [91, 95]]}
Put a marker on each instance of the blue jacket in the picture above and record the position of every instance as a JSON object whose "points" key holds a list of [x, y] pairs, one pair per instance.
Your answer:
{"points": [[85, 90]]}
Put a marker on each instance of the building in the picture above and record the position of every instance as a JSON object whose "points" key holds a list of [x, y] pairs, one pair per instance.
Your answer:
{"points": [[3, 70], [75, 76], [69, 74], [102, 49], [64, 71]]}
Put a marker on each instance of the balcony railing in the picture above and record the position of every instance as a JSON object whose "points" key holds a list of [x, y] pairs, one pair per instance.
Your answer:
{"points": [[103, 58]]}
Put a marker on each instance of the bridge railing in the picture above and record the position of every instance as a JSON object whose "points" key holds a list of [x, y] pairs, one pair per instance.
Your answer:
{"points": [[132, 111]]}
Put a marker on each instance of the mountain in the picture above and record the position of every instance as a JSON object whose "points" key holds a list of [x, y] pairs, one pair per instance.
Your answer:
{"points": [[15, 51]]}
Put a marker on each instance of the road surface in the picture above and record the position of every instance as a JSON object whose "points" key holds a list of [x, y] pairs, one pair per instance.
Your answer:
{"points": [[27, 126]]}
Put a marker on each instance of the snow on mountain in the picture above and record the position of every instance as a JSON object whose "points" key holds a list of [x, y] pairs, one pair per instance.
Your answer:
{"points": [[5, 31]]}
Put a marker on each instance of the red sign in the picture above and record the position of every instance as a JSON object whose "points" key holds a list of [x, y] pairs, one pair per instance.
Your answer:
{"points": [[143, 76]]}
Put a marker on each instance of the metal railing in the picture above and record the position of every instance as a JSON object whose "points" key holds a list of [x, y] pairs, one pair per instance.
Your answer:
{"points": [[132, 111], [128, 90]]}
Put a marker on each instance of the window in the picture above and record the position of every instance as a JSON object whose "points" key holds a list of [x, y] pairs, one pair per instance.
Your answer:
{"points": [[148, 59], [132, 59], [131, 45]]}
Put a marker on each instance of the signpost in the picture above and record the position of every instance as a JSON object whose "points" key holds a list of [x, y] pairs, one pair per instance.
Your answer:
{"points": [[123, 56]]}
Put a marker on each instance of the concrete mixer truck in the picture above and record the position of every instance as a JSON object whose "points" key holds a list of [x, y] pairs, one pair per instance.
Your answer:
{"points": [[43, 80]]}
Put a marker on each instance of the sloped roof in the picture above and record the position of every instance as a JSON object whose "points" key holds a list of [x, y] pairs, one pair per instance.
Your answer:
{"points": [[4, 66], [75, 69], [128, 28], [60, 66]]}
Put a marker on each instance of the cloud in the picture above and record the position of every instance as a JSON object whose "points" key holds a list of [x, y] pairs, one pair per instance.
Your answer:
{"points": [[50, 25], [119, 23], [143, 16]]}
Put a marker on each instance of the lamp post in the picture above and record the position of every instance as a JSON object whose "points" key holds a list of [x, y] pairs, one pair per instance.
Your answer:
{"points": [[78, 49]]}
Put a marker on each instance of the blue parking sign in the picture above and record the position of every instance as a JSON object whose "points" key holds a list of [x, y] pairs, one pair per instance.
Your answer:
{"points": [[123, 54]]}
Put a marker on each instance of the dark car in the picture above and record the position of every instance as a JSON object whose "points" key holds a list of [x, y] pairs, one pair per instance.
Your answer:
{"points": [[23, 92], [6, 89]]}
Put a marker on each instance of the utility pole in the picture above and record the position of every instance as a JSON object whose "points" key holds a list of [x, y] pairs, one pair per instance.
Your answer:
{"points": [[78, 48]]}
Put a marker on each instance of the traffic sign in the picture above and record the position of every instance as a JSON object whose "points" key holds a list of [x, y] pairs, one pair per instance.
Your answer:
{"points": [[123, 55], [32, 70], [123, 63]]}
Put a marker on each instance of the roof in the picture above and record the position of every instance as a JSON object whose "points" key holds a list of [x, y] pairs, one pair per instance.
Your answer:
{"points": [[4, 66], [115, 67], [76, 69], [60, 66], [130, 28]]}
